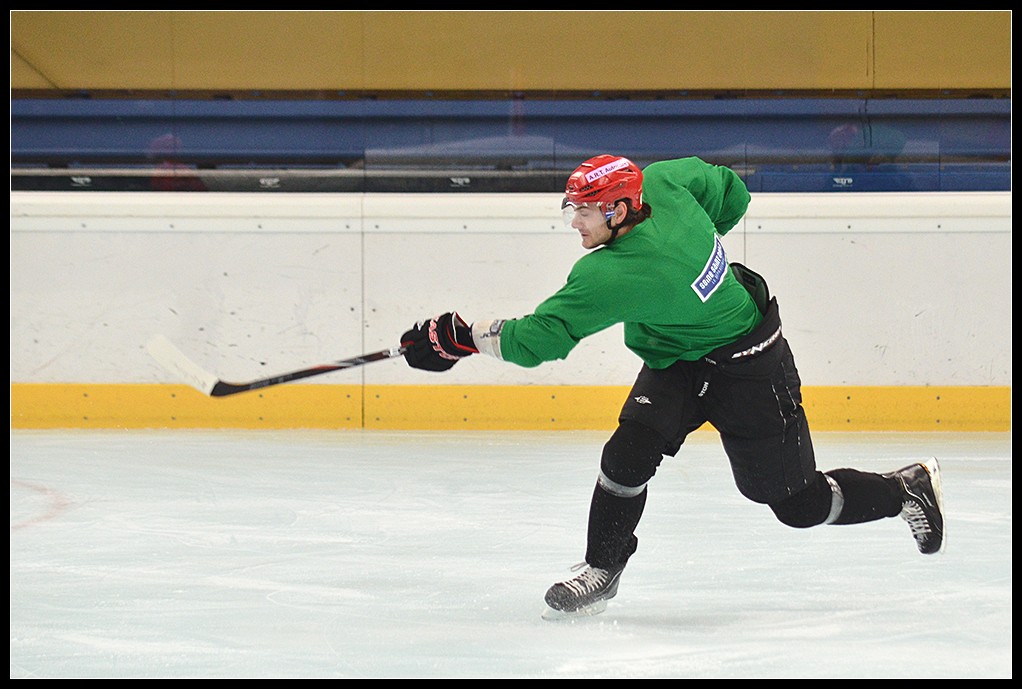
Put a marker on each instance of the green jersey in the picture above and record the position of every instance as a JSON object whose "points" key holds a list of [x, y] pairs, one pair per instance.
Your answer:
{"points": [[667, 280]]}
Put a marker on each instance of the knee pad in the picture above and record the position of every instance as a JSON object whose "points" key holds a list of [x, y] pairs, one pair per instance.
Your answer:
{"points": [[630, 458], [809, 507]]}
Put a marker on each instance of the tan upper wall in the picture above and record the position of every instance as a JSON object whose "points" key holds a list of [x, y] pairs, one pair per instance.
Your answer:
{"points": [[510, 51]]}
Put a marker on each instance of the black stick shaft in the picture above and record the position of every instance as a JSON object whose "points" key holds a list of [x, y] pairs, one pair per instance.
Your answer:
{"points": [[223, 388]]}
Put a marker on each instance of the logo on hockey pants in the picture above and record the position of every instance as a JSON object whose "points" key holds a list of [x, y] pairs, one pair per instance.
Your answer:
{"points": [[642, 399]]}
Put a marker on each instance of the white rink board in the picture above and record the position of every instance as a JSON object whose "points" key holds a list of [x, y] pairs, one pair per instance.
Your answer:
{"points": [[875, 289]]}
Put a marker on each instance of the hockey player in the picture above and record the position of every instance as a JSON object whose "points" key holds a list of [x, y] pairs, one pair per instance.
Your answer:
{"points": [[710, 337]]}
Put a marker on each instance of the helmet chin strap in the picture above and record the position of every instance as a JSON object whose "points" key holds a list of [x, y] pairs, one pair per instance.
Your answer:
{"points": [[613, 229], [613, 233]]}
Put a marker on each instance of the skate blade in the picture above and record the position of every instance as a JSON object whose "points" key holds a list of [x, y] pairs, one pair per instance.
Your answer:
{"points": [[557, 615], [932, 467]]}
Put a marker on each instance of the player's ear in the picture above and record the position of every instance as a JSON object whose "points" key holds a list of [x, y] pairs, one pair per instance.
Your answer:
{"points": [[620, 212]]}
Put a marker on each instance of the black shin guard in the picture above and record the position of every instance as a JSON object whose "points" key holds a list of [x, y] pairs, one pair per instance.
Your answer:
{"points": [[630, 459], [612, 522], [809, 507], [867, 497]]}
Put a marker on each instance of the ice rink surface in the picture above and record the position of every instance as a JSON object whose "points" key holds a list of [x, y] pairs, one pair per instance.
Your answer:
{"points": [[362, 554]]}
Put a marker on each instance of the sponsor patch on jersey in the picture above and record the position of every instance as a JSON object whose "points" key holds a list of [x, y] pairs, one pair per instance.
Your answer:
{"points": [[713, 273]]}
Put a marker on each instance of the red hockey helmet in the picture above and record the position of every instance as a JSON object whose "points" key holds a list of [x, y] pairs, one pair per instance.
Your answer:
{"points": [[604, 180]]}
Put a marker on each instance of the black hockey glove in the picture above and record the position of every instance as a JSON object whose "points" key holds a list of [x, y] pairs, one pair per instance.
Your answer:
{"points": [[438, 344]]}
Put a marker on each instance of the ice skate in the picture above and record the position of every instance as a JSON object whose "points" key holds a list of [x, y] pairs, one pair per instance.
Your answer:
{"points": [[586, 594], [923, 504]]}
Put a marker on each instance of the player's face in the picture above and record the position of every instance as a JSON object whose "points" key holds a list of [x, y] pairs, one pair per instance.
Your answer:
{"points": [[590, 222]]}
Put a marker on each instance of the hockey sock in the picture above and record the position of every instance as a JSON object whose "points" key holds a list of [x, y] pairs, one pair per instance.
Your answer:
{"points": [[612, 521], [867, 496]]}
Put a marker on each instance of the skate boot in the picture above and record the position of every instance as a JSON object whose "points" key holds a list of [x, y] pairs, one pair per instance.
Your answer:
{"points": [[923, 504], [586, 594]]}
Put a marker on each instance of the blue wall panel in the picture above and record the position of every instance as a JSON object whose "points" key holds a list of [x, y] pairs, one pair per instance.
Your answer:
{"points": [[809, 144]]}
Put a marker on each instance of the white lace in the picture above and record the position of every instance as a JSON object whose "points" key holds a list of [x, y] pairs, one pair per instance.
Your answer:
{"points": [[916, 518], [588, 581]]}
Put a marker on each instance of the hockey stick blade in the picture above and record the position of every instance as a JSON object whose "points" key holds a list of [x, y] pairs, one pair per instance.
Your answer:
{"points": [[172, 359]]}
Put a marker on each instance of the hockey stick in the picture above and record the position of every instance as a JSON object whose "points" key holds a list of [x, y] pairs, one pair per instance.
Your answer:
{"points": [[172, 359]]}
